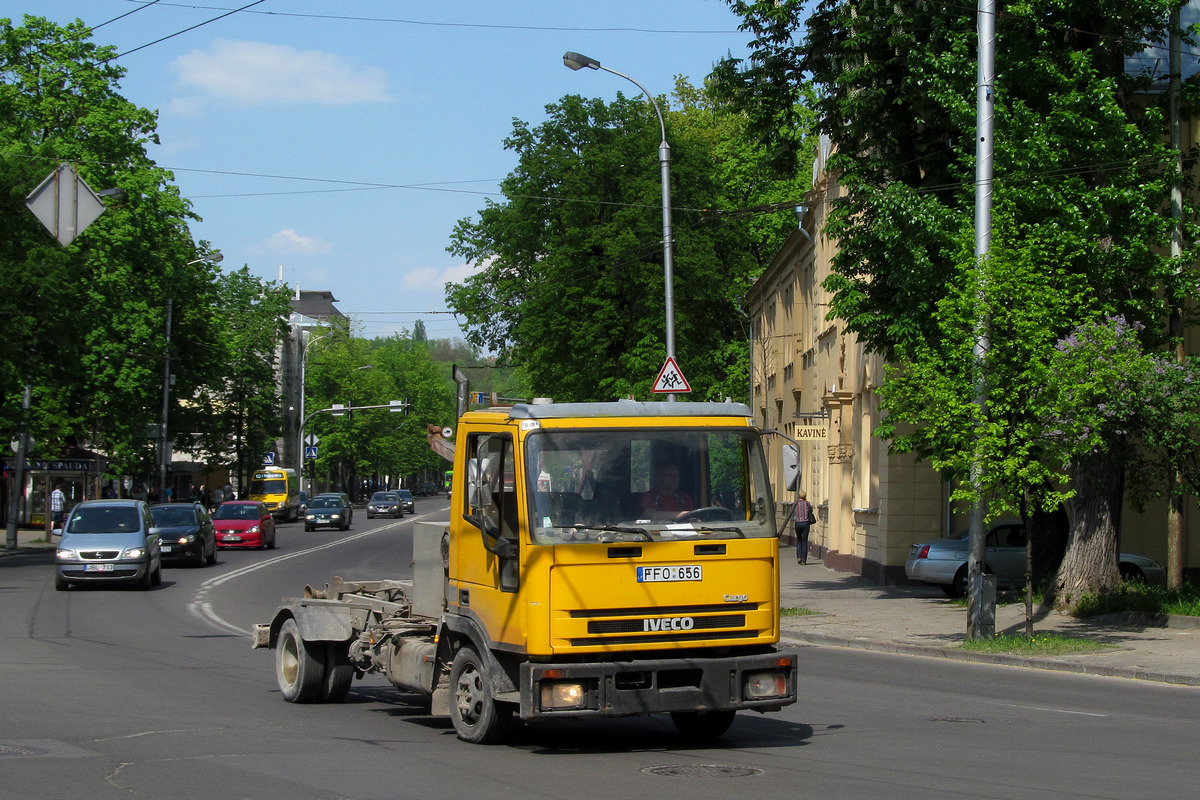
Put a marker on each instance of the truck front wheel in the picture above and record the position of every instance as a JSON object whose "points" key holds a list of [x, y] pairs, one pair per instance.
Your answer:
{"points": [[478, 718], [702, 725], [299, 666]]}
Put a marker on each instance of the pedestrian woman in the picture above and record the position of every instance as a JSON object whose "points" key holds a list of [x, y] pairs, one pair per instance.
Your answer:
{"points": [[804, 519]]}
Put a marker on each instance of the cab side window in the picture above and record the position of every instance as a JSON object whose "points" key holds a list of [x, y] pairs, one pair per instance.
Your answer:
{"points": [[492, 501]]}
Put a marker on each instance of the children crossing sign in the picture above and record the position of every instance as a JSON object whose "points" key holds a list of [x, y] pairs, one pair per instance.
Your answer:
{"points": [[670, 380]]}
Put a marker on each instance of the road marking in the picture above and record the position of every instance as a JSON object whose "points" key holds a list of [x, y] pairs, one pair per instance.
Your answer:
{"points": [[1051, 710], [200, 608]]}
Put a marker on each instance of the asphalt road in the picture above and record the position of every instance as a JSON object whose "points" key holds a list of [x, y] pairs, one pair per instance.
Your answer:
{"points": [[108, 694]]}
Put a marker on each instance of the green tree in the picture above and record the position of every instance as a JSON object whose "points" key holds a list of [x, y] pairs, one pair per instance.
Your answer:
{"points": [[233, 403], [86, 323], [572, 280], [1079, 224]]}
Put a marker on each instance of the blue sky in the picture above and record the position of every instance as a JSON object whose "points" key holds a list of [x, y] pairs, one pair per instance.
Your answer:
{"points": [[341, 142]]}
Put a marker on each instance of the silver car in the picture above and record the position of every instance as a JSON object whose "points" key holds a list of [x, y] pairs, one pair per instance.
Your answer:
{"points": [[944, 562], [109, 541]]}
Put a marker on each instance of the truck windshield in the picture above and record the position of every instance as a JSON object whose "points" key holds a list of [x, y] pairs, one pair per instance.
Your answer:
{"points": [[647, 484]]}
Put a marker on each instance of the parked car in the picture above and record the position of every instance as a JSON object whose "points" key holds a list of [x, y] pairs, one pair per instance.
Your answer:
{"points": [[406, 501], [384, 504], [332, 510], [185, 533], [944, 562], [109, 541], [244, 523]]}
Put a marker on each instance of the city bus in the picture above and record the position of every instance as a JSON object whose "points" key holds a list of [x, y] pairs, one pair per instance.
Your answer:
{"points": [[279, 490]]}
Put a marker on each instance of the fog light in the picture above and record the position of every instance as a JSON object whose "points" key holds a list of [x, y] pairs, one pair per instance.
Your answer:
{"points": [[563, 695], [760, 685]]}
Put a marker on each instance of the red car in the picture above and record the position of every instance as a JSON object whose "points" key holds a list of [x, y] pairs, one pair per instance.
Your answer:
{"points": [[244, 523]]}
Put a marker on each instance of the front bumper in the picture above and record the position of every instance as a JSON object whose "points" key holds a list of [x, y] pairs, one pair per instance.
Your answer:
{"points": [[120, 572], [384, 511], [173, 551], [651, 686], [240, 539]]}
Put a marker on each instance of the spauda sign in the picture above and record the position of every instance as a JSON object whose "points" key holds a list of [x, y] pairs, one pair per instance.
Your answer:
{"points": [[812, 432]]}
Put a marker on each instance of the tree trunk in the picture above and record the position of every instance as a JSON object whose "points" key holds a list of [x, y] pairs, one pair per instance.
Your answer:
{"points": [[1090, 563]]}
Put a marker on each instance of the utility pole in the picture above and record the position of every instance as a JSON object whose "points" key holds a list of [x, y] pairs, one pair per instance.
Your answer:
{"points": [[16, 480], [981, 603], [1175, 535], [165, 453]]}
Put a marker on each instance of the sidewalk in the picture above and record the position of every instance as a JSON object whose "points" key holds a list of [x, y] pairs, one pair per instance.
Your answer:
{"points": [[28, 539], [921, 620]]}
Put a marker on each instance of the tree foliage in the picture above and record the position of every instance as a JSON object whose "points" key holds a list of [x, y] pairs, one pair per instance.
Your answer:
{"points": [[1080, 226], [571, 285], [378, 445], [87, 323]]}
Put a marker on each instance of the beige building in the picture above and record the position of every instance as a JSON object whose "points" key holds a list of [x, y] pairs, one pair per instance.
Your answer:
{"points": [[813, 382]]}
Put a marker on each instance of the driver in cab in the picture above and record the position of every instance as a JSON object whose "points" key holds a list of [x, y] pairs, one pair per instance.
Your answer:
{"points": [[665, 500]]}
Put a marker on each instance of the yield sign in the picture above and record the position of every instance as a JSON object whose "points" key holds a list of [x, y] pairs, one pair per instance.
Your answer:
{"points": [[670, 380], [65, 204]]}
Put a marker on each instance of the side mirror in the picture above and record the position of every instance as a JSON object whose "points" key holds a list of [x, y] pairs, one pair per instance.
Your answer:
{"points": [[479, 492]]}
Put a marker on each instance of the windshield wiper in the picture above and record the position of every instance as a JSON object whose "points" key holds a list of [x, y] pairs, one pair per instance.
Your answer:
{"points": [[738, 531], [614, 529]]}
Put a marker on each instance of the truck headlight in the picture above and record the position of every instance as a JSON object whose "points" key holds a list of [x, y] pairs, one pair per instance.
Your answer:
{"points": [[763, 685], [563, 694]]}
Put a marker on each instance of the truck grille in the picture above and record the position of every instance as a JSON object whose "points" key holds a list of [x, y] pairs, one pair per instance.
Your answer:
{"points": [[637, 625], [653, 625]]}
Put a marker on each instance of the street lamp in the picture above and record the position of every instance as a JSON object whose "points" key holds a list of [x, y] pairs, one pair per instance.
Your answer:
{"points": [[577, 61], [164, 451]]}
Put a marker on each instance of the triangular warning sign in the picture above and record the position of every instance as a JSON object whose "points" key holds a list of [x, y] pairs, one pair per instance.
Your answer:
{"points": [[670, 380]]}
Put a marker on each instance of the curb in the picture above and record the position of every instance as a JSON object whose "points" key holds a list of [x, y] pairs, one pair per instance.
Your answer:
{"points": [[1002, 659]]}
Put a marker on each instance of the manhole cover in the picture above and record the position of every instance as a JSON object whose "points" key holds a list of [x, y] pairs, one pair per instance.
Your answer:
{"points": [[703, 771], [15, 750]]}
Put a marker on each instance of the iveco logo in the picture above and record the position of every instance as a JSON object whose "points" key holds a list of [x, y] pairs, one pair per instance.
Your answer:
{"points": [[669, 624]]}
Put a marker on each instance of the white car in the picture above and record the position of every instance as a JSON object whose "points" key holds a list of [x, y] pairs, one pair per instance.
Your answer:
{"points": [[944, 562]]}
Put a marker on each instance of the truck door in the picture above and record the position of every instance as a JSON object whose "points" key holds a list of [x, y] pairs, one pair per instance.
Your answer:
{"points": [[492, 558]]}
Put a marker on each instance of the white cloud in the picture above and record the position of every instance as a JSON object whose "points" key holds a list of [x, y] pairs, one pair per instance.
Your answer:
{"points": [[255, 74], [289, 242], [433, 278]]}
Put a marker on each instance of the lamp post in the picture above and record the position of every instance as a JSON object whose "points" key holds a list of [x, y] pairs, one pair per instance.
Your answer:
{"points": [[578, 61], [164, 453]]}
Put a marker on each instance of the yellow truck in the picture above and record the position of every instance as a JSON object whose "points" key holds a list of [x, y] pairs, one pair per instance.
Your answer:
{"points": [[600, 560]]}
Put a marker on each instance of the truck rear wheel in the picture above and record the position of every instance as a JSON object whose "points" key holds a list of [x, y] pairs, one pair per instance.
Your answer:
{"points": [[339, 673], [477, 717], [702, 725], [299, 666]]}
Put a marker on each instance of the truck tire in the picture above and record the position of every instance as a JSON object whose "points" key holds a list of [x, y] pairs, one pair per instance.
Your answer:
{"points": [[299, 666], [477, 717], [339, 672], [702, 725]]}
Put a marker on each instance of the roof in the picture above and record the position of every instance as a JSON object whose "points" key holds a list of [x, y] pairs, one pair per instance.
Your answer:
{"points": [[628, 408], [316, 304]]}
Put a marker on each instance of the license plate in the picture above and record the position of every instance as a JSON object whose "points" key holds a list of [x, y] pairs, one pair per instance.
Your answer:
{"points": [[98, 568], [232, 538], [679, 572], [166, 548]]}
